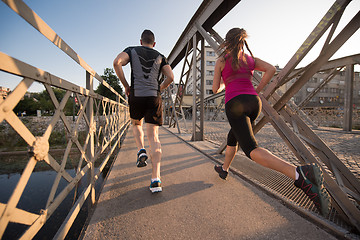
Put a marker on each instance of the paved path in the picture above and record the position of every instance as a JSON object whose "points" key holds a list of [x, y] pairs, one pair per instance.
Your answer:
{"points": [[195, 202]]}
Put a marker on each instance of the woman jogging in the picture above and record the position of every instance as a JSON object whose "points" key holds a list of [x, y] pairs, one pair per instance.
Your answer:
{"points": [[234, 71]]}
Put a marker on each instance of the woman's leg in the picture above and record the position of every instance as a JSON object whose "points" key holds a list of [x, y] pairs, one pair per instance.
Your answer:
{"points": [[230, 151], [241, 113], [267, 159], [309, 178], [229, 156]]}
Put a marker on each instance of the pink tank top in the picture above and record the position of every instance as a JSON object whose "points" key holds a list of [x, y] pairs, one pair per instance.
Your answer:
{"points": [[238, 81]]}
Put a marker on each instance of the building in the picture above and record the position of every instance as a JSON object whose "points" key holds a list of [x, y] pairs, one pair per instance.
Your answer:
{"points": [[331, 95], [4, 92], [210, 59]]}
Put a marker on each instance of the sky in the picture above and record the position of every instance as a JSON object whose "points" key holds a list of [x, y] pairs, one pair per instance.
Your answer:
{"points": [[99, 30]]}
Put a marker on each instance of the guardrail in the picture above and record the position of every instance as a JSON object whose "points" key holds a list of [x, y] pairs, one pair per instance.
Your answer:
{"points": [[106, 122], [277, 109]]}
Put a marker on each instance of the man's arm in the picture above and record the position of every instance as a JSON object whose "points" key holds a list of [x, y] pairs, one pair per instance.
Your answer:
{"points": [[167, 71], [121, 60]]}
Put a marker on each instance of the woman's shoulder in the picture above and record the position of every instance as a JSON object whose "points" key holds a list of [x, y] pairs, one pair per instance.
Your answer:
{"points": [[249, 56], [250, 60], [221, 61]]}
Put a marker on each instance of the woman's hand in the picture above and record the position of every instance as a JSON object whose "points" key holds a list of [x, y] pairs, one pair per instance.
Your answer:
{"points": [[269, 71]]}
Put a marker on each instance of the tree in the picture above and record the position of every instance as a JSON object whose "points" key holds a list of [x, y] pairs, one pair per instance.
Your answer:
{"points": [[110, 77], [46, 105], [41, 100], [28, 105]]}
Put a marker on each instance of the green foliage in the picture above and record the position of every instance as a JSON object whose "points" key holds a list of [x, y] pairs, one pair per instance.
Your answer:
{"points": [[110, 77], [41, 101], [28, 105]]}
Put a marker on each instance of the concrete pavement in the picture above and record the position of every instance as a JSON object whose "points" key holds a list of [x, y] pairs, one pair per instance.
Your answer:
{"points": [[195, 202]]}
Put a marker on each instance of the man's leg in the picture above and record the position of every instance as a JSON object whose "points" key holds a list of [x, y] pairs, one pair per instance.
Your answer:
{"points": [[138, 133], [152, 131]]}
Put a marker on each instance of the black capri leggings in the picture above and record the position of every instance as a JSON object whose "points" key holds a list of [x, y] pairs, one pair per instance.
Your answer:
{"points": [[241, 112]]}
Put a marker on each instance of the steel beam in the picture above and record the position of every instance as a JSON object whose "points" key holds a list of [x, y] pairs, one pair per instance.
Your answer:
{"points": [[348, 104], [333, 73], [277, 116], [343, 36], [208, 14], [329, 18], [185, 73], [198, 90]]}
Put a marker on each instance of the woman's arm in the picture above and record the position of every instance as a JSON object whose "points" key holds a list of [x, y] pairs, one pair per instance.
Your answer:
{"points": [[218, 85], [269, 71]]}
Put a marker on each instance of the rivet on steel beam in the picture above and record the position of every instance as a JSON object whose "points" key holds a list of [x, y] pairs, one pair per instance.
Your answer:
{"points": [[6, 108], [74, 137], [40, 148]]}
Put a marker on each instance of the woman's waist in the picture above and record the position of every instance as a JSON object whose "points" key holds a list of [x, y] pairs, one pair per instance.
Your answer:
{"points": [[231, 94]]}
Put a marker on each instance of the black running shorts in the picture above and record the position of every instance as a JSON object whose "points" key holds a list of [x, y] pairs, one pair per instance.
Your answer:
{"points": [[241, 112], [149, 108]]}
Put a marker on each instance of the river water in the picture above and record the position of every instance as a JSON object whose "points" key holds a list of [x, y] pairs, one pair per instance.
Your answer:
{"points": [[35, 197]]}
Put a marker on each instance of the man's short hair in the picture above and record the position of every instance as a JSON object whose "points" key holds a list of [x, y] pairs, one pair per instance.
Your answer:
{"points": [[148, 37]]}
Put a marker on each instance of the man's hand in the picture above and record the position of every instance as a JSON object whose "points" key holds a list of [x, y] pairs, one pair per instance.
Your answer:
{"points": [[127, 91], [167, 71]]}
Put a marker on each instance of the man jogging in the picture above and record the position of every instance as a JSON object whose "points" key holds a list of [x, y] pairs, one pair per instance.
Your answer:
{"points": [[144, 98]]}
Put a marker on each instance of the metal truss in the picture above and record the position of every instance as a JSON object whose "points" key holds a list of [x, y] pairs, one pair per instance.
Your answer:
{"points": [[332, 68], [339, 180], [198, 66], [178, 112], [106, 121], [186, 48], [278, 109]]}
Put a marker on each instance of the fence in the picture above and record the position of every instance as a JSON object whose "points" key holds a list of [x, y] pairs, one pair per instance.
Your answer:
{"points": [[106, 122], [331, 117]]}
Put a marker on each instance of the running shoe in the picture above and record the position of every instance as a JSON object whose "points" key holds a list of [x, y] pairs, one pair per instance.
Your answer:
{"points": [[155, 186], [223, 174], [311, 181], [141, 158]]}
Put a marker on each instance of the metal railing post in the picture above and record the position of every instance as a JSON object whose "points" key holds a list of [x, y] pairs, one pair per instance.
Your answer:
{"points": [[90, 151], [194, 90], [348, 103]]}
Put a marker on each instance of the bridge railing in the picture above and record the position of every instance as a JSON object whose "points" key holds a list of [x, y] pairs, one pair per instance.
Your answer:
{"points": [[106, 121], [277, 109]]}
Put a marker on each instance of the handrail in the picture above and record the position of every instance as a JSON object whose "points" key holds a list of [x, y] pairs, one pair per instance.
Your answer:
{"points": [[106, 122]]}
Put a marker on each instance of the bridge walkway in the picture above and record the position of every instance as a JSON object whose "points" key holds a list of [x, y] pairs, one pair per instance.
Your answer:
{"points": [[195, 202]]}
